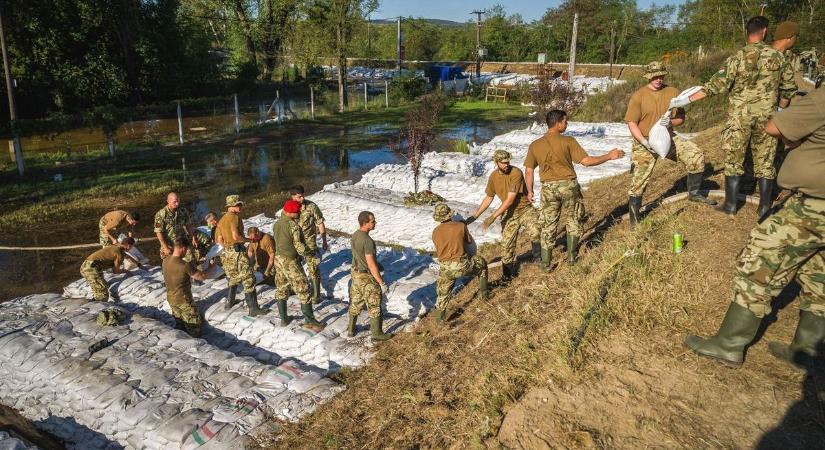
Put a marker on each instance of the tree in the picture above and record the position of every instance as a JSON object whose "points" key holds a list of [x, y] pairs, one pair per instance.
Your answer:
{"points": [[420, 130]]}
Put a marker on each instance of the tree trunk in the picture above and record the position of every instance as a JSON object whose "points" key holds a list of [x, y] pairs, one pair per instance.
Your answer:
{"points": [[246, 28], [126, 13], [342, 68]]}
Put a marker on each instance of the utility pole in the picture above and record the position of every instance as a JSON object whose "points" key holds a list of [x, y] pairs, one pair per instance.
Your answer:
{"points": [[398, 46], [571, 70], [369, 42], [478, 42], [18, 152], [612, 49]]}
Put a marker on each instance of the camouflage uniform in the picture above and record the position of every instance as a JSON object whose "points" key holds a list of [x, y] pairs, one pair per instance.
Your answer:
{"points": [[755, 78], [173, 225], [238, 268], [511, 223], [309, 220], [205, 243], [288, 270], [788, 244], [556, 195], [643, 161], [187, 317], [93, 276], [365, 290], [449, 271]]}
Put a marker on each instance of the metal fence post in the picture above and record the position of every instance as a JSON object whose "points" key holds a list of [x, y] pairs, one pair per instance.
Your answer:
{"points": [[237, 116], [365, 96], [386, 93], [180, 124], [312, 102], [110, 141]]}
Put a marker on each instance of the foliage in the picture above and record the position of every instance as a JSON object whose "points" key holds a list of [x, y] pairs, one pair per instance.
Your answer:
{"points": [[407, 88], [459, 146], [553, 93], [420, 130], [423, 198]]}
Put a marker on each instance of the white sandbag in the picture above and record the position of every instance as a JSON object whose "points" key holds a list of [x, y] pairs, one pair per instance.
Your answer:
{"points": [[203, 434], [179, 427], [230, 411], [659, 138]]}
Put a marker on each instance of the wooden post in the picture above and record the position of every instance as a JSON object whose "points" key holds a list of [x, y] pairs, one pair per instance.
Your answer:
{"points": [[237, 116], [180, 124], [18, 150], [386, 93], [262, 112], [183, 167], [312, 102], [365, 96], [571, 70], [612, 50], [110, 141]]}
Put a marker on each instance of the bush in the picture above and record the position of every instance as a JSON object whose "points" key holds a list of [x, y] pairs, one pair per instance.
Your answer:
{"points": [[552, 93], [407, 88]]}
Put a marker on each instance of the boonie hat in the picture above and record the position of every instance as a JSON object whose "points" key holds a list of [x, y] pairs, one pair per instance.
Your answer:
{"points": [[501, 156], [442, 212], [233, 200], [655, 69], [292, 207], [786, 30]]}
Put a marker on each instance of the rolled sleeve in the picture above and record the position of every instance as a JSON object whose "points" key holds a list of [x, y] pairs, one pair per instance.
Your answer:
{"points": [[802, 118]]}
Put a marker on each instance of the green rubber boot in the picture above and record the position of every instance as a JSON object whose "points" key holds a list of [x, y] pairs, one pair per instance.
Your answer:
{"points": [[483, 290], [316, 291], [376, 333], [546, 258], [252, 305], [230, 297], [728, 345], [694, 183], [352, 325], [731, 195], [285, 319], [309, 316], [440, 315], [572, 248], [535, 249], [634, 207], [810, 333]]}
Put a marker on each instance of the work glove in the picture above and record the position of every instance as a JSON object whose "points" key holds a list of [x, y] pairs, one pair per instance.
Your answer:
{"points": [[385, 289], [469, 220], [644, 143], [665, 121], [679, 102]]}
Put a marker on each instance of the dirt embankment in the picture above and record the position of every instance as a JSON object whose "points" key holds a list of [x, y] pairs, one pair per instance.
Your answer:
{"points": [[507, 374]]}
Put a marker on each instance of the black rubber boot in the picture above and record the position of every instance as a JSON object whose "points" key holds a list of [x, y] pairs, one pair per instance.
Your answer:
{"points": [[731, 195], [252, 304], [572, 248], [483, 291], [728, 345], [546, 258], [634, 207], [230, 297], [810, 333], [535, 248], [309, 316], [316, 291], [352, 325], [694, 183], [765, 196], [285, 319], [508, 272], [376, 333]]}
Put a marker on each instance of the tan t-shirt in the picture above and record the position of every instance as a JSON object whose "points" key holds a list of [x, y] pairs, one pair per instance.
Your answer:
{"points": [[804, 167], [176, 275], [107, 258], [114, 220], [647, 106], [263, 250], [554, 154], [229, 222], [500, 185], [449, 239]]}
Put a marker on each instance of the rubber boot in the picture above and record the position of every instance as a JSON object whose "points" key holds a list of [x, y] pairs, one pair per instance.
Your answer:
{"points": [[483, 291], [352, 325], [375, 330], [440, 315], [285, 319], [508, 272], [731, 195], [230, 297], [694, 182], [728, 345], [546, 258], [535, 248], [765, 196], [810, 333], [316, 291], [634, 207], [309, 316], [252, 304], [572, 248]]}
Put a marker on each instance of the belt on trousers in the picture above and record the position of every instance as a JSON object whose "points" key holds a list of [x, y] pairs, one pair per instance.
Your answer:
{"points": [[235, 248]]}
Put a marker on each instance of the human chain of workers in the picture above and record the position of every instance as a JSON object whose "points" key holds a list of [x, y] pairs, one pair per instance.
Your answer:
{"points": [[787, 243]]}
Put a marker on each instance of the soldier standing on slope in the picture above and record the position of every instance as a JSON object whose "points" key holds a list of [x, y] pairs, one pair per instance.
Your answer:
{"points": [[311, 222], [171, 222], [755, 78], [367, 284]]}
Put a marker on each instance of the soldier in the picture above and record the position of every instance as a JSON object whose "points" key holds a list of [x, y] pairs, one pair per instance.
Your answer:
{"points": [[555, 154], [205, 240], [233, 259], [173, 221], [788, 244], [262, 251], [115, 222], [648, 106], [507, 183], [311, 222], [367, 284], [755, 77], [289, 248], [784, 38], [178, 275], [449, 238], [111, 256]]}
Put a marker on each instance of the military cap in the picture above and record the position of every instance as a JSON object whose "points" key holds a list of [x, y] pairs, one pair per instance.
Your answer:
{"points": [[655, 69], [442, 212], [786, 30], [501, 156], [233, 200], [292, 207]]}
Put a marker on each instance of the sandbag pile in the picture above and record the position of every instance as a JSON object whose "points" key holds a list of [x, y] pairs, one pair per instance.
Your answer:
{"points": [[8, 442]]}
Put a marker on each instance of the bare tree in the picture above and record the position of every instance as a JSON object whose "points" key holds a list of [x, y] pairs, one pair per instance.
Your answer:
{"points": [[420, 130]]}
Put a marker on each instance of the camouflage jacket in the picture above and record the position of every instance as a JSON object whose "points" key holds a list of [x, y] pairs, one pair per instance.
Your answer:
{"points": [[754, 78], [172, 224], [309, 220]]}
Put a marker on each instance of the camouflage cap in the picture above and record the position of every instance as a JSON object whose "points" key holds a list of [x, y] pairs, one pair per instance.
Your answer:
{"points": [[442, 212], [233, 200], [501, 156], [655, 69], [786, 30]]}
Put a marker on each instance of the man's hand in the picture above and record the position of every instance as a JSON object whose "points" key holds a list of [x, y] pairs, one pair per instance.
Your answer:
{"points": [[665, 121], [470, 220], [616, 153], [385, 289], [644, 143], [679, 102], [165, 250], [487, 222], [530, 196], [114, 240], [325, 245]]}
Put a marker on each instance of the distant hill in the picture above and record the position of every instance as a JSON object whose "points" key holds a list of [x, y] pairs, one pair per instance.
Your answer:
{"points": [[440, 22]]}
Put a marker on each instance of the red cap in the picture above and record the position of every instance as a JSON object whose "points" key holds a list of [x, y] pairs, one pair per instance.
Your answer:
{"points": [[291, 206]]}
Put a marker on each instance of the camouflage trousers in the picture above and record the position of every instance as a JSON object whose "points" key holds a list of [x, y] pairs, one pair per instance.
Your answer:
{"points": [[364, 290], [187, 317], [555, 196], [449, 271], [313, 262], [93, 276], [789, 244], [643, 160], [740, 132], [290, 274], [526, 218], [238, 269]]}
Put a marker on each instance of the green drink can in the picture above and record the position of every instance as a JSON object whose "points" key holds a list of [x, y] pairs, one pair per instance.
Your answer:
{"points": [[678, 243]]}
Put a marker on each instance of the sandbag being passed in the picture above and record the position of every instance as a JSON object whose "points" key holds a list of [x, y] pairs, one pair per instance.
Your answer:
{"points": [[659, 137]]}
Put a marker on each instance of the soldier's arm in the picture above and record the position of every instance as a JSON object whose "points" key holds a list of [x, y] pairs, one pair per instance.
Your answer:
{"points": [[322, 229], [787, 85], [164, 246], [298, 239], [372, 264], [483, 206], [511, 197], [528, 179], [112, 237], [636, 132], [195, 273], [721, 82]]}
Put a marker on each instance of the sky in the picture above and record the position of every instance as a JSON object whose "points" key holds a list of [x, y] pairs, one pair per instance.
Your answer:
{"points": [[460, 11]]}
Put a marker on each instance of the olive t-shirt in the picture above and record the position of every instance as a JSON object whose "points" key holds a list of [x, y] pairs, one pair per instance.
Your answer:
{"points": [[107, 258], [229, 222], [647, 106], [284, 240], [554, 154], [263, 249], [449, 239], [500, 185], [804, 167], [362, 245], [176, 275], [114, 220]]}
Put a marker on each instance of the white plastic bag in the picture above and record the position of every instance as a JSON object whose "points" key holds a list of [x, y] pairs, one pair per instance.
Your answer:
{"points": [[659, 138]]}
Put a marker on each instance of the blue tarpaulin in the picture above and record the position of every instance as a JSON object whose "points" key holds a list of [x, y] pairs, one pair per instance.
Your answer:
{"points": [[444, 73]]}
